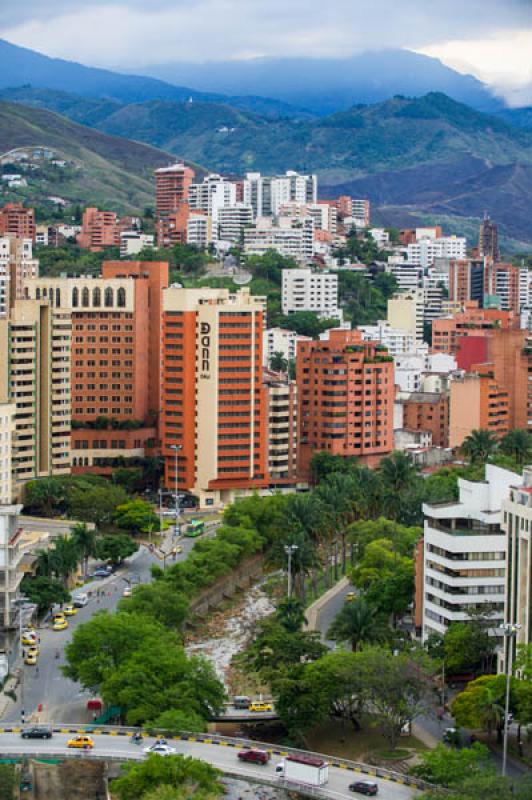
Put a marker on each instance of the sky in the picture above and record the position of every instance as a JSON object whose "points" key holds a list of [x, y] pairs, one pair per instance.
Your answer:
{"points": [[491, 39]]}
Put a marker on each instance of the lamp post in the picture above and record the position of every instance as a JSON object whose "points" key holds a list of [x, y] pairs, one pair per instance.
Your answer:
{"points": [[290, 549], [176, 448], [509, 630]]}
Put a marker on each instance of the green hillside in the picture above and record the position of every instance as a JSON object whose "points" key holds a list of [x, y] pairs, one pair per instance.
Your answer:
{"points": [[101, 169]]}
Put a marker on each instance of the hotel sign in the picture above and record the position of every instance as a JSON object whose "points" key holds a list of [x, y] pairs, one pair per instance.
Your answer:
{"points": [[205, 350]]}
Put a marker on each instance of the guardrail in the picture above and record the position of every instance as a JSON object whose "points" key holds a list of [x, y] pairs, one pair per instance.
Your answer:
{"points": [[228, 741]]}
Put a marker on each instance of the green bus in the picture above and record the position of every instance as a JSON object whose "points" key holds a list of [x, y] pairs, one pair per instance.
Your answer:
{"points": [[195, 528]]}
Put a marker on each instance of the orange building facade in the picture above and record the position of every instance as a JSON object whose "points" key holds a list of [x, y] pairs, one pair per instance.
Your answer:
{"points": [[345, 398], [99, 229], [19, 221], [477, 401], [214, 406], [428, 411], [472, 321]]}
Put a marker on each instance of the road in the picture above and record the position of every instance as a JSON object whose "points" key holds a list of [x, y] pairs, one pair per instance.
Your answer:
{"points": [[45, 684], [329, 611], [224, 758]]}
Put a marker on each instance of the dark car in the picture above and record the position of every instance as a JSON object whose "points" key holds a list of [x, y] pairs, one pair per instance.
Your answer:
{"points": [[101, 572], [37, 732], [255, 756], [241, 701], [369, 788]]}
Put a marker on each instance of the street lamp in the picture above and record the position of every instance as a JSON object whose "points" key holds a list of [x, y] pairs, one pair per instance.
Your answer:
{"points": [[509, 630], [290, 549], [176, 448]]}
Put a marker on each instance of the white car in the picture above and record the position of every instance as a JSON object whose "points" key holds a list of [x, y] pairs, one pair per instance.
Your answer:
{"points": [[128, 591], [160, 749]]}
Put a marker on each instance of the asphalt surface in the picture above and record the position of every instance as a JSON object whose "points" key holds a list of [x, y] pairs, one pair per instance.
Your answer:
{"points": [[224, 758]]}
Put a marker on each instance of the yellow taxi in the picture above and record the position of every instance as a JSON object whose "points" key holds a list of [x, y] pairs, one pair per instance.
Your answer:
{"points": [[70, 611], [256, 706], [31, 659], [350, 596], [29, 638], [33, 650], [81, 741], [60, 624]]}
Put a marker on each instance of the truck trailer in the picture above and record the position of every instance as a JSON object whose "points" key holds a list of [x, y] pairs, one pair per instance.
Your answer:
{"points": [[304, 769]]}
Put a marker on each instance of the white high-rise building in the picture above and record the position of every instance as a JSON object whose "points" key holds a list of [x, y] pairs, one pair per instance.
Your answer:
{"points": [[132, 242], [288, 238], [408, 276], [7, 427], [464, 567], [215, 192], [267, 194], [16, 266], [423, 252], [280, 340], [199, 230], [396, 340], [305, 290], [232, 221]]}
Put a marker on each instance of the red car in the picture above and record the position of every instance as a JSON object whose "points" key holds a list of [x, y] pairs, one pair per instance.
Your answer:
{"points": [[255, 756]]}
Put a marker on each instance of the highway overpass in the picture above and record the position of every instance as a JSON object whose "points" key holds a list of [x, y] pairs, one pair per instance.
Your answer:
{"points": [[113, 744]]}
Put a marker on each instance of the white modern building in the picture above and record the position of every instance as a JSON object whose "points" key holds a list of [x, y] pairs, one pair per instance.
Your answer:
{"points": [[408, 276], [199, 230], [424, 251], [280, 340], [517, 525], [381, 236], [212, 194], [232, 221], [289, 238], [406, 311], [16, 266], [7, 427], [305, 290], [396, 340], [267, 194], [464, 560], [10, 573], [132, 242]]}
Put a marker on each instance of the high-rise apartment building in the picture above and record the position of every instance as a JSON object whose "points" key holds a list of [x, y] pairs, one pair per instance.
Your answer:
{"points": [[17, 220], [424, 251], [504, 282], [517, 525], [428, 411], [232, 221], [16, 266], [306, 290], [345, 398], [472, 321], [488, 239], [281, 394], [289, 238], [99, 229], [406, 312], [477, 402], [266, 195], [35, 348], [279, 340], [172, 186], [212, 194], [7, 429], [214, 405], [464, 567], [466, 280]]}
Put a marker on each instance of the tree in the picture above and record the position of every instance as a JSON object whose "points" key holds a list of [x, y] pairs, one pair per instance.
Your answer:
{"points": [[338, 681], [196, 779], [468, 647], [291, 614], [386, 577], [136, 516], [324, 463], [174, 721], [479, 445], [307, 323], [450, 767], [517, 443], [481, 704], [45, 496], [397, 471], [44, 591], [485, 784], [84, 539], [115, 547], [159, 601], [96, 503], [278, 362], [358, 623]]}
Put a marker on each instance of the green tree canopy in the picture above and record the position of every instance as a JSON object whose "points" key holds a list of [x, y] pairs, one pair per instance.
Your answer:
{"points": [[358, 623], [195, 779], [157, 600], [136, 516], [45, 592], [115, 547]]}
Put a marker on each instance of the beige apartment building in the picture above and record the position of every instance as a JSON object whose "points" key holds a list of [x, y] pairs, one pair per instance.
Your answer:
{"points": [[282, 429], [517, 524], [35, 347], [7, 427]]}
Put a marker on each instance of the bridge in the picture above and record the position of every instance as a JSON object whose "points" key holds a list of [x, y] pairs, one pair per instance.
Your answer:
{"points": [[113, 744]]}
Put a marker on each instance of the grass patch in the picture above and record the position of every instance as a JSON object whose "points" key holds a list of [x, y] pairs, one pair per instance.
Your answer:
{"points": [[399, 754], [340, 739]]}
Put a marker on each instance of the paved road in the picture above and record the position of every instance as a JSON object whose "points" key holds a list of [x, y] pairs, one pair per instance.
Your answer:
{"points": [[45, 684], [224, 758], [329, 611]]}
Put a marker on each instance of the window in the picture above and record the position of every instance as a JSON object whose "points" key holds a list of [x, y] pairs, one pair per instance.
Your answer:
{"points": [[121, 298], [96, 298], [85, 297], [58, 297], [75, 297], [108, 297]]}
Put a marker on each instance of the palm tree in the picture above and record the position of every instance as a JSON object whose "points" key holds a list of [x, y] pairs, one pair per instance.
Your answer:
{"points": [[65, 556], [84, 539], [357, 623], [291, 614], [492, 712], [518, 445], [278, 362], [479, 445], [398, 471]]}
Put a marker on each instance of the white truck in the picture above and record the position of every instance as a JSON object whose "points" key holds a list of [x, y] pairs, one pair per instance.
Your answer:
{"points": [[304, 769]]}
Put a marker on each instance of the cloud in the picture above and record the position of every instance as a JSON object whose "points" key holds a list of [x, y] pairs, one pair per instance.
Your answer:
{"points": [[142, 33]]}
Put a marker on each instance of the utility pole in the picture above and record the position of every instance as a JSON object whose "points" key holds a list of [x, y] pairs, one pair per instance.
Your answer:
{"points": [[176, 448], [509, 630], [290, 549]]}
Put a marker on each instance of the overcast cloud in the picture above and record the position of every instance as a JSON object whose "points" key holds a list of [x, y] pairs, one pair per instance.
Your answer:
{"points": [[471, 34]]}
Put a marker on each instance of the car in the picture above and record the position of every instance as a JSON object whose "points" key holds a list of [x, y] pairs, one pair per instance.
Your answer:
{"points": [[29, 638], [178, 548], [31, 659], [80, 600], [60, 625], [259, 706], [57, 616], [160, 749], [33, 650], [369, 788], [102, 572], [128, 591], [83, 741], [70, 611], [254, 756], [350, 596], [241, 701], [37, 732]]}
